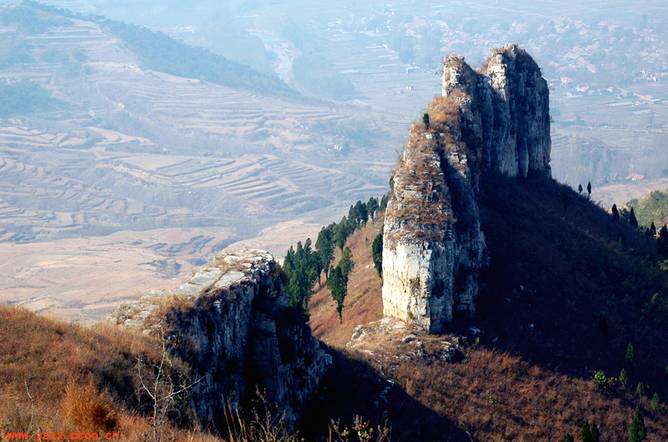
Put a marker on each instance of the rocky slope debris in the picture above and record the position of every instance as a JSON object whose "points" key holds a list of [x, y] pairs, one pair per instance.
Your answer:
{"points": [[491, 121], [232, 324]]}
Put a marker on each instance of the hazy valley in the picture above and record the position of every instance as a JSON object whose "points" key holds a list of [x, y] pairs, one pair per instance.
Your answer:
{"points": [[106, 134]]}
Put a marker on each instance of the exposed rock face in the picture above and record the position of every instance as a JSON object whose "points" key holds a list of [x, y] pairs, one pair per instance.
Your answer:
{"points": [[232, 324], [512, 98], [495, 121]]}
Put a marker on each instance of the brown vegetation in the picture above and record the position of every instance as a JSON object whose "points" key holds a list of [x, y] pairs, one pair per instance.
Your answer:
{"points": [[557, 275], [363, 302]]}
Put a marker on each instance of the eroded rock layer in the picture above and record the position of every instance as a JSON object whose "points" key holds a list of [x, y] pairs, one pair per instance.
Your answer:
{"points": [[232, 324], [492, 121]]}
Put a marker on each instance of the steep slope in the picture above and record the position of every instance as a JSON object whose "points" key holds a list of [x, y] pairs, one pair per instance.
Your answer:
{"points": [[564, 290], [363, 303], [556, 276]]}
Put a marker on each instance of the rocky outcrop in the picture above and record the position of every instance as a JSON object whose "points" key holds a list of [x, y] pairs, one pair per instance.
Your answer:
{"points": [[231, 323], [512, 99], [492, 121]]}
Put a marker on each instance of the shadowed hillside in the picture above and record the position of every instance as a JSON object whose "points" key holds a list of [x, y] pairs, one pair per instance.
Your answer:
{"points": [[566, 290]]}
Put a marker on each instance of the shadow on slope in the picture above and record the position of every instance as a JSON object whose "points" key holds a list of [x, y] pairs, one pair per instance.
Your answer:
{"points": [[353, 387], [568, 286]]}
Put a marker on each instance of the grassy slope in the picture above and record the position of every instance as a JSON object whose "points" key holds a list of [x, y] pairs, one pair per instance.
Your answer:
{"points": [[530, 376], [40, 359], [363, 302]]}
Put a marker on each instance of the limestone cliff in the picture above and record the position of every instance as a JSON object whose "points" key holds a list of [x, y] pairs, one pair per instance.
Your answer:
{"points": [[492, 121], [232, 325]]}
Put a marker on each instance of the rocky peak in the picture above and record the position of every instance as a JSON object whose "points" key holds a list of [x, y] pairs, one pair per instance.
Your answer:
{"points": [[232, 324], [491, 121], [512, 99]]}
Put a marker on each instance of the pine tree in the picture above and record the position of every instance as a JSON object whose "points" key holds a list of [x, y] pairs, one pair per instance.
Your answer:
{"points": [[346, 263], [425, 120], [589, 189], [338, 287], [341, 233], [640, 389], [656, 403], [652, 230], [615, 212], [630, 356], [589, 433], [637, 431], [325, 245], [624, 377], [662, 241], [372, 206], [632, 219], [383, 201], [377, 253]]}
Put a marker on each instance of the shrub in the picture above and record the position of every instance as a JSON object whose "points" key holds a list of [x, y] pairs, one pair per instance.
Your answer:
{"points": [[601, 381], [85, 408]]}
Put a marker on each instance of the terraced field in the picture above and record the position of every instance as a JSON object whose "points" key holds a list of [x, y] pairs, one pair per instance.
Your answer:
{"points": [[130, 154]]}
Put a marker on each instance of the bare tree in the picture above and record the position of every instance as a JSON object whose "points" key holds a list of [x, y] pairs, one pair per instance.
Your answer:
{"points": [[162, 389]]}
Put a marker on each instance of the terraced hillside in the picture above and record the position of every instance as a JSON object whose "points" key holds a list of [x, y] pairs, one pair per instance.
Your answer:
{"points": [[111, 146]]}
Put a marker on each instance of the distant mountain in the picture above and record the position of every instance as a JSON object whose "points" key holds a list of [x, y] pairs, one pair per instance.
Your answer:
{"points": [[158, 51]]}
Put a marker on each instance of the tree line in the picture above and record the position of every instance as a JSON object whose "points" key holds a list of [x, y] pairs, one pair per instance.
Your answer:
{"points": [[661, 235], [304, 265]]}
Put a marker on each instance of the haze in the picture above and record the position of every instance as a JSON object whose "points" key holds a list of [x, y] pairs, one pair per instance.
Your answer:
{"points": [[141, 153]]}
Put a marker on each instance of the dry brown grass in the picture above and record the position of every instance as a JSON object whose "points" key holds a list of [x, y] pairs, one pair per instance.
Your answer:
{"points": [[363, 302], [86, 409], [535, 384]]}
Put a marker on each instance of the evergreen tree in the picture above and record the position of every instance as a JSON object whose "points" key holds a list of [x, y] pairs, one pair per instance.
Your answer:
{"points": [[425, 120], [338, 286], [652, 230], [383, 201], [580, 189], [325, 245], [615, 212], [372, 206], [624, 377], [662, 241], [637, 431], [589, 189], [588, 433], [656, 403], [346, 263], [632, 219], [568, 438], [630, 356], [341, 233], [640, 389], [377, 253]]}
